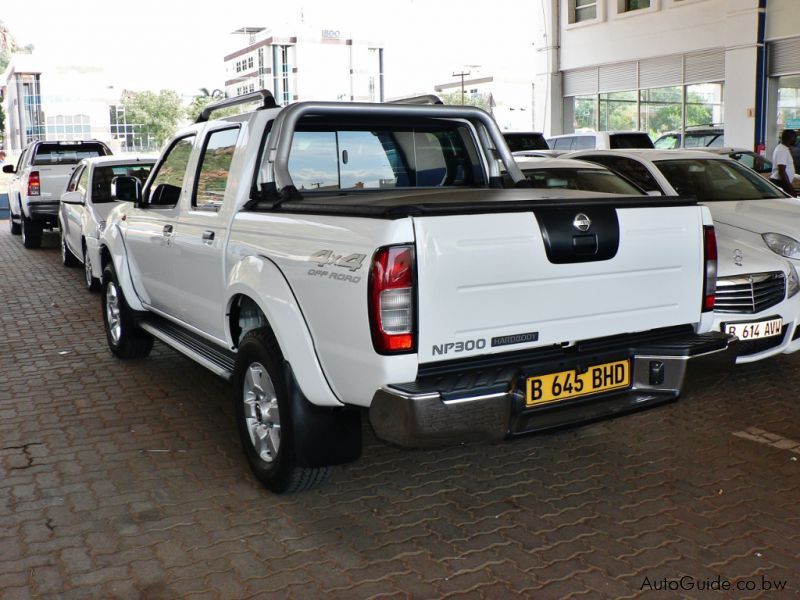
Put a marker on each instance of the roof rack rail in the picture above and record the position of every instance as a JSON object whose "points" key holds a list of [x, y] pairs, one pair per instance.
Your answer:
{"points": [[265, 97], [425, 99]]}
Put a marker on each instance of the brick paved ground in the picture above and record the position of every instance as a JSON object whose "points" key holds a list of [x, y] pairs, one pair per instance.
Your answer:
{"points": [[125, 480]]}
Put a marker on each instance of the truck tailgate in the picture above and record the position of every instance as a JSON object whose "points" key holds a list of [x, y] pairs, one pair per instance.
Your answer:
{"points": [[487, 283], [54, 179]]}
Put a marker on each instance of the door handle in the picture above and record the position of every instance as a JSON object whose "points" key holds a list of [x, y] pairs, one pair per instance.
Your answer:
{"points": [[208, 236], [167, 229]]}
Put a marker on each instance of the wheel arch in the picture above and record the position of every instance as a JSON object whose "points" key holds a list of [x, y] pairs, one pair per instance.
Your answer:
{"points": [[259, 296], [112, 252]]}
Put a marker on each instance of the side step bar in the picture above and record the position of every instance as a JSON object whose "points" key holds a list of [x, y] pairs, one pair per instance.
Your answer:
{"points": [[217, 360]]}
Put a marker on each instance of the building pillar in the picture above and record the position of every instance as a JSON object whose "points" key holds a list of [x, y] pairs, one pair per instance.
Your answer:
{"points": [[548, 93], [739, 102]]}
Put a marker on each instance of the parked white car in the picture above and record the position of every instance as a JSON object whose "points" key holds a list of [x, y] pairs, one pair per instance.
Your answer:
{"points": [[39, 178], [755, 221], [570, 174], [85, 206]]}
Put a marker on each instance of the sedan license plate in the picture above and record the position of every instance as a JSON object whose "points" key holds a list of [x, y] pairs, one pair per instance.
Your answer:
{"points": [[754, 331], [570, 384]]}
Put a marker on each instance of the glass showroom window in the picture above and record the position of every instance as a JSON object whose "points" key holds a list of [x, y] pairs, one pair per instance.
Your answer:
{"points": [[629, 5], [618, 111], [585, 10], [585, 109], [704, 104], [660, 110], [788, 103]]}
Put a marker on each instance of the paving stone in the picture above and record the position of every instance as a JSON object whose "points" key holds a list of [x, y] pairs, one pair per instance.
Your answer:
{"points": [[91, 506]]}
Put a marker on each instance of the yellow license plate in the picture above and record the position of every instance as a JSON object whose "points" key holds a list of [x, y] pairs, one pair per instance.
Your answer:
{"points": [[569, 384]]}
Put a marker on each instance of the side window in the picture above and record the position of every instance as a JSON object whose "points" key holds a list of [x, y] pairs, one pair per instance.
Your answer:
{"points": [[585, 142], [635, 172], [565, 143], [21, 162], [82, 182], [215, 166], [73, 181], [165, 189], [667, 142]]}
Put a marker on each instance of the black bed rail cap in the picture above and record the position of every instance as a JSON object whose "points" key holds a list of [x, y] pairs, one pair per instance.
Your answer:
{"points": [[264, 97]]}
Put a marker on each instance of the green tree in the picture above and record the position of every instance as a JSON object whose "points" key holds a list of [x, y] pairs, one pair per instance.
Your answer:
{"points": [[157, 114], [203, 99], [480, 100]]}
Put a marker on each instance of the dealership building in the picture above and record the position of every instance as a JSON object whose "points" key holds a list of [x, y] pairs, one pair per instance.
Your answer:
{"points": [[665, 65]]}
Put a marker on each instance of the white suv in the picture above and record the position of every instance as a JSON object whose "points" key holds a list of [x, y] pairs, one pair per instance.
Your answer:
{"points": [[600, 140]]}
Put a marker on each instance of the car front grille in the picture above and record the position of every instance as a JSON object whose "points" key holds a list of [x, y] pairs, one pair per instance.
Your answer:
{"points": [[751, 293]]}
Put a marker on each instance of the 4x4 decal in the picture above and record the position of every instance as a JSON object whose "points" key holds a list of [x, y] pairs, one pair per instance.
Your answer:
{"points": [[352, 262]]}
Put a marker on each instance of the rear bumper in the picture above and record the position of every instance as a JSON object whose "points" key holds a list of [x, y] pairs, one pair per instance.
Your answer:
{"points": [[43, 212], [487, 404]]}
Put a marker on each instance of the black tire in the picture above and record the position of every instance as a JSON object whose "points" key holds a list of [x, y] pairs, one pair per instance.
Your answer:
{"points": [[67, 257], [16, 228], [92, 283], [31, 233], [125, 338], [279, 472]]}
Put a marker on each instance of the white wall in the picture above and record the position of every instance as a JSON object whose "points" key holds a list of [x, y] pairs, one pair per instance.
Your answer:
{"points": [[783, 18], [669, 28]]}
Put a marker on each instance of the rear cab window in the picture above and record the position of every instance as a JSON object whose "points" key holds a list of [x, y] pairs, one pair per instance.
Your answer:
{"points": [[630, 169], [517, 142], [65, 153], [621, 141], [384, 157]]}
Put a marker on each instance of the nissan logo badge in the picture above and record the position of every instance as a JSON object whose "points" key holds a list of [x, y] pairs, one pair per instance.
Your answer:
{"points": [[582, 222]]}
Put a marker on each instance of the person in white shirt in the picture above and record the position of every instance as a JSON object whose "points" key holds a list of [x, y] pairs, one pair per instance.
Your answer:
{"points": [[783, 164]]}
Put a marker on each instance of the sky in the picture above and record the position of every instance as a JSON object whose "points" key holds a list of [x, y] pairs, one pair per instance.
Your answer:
{"points": [[180, 44]]}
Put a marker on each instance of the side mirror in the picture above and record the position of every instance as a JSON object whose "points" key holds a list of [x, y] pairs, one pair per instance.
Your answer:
{"points": [[126, 189], [72, 198], [9, 169]]}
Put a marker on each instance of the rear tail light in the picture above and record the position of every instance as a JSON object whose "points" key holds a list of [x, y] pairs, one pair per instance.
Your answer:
{"points": [[710, 273], [34, 187], [391, 300]]}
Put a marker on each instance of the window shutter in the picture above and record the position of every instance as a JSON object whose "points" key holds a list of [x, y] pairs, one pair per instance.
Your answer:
{"points": [[705, 67], [660, 72], [580, 82], [618, 77], [784, 57]]}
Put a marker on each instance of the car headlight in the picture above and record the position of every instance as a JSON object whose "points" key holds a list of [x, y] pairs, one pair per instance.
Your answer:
{"points": [[793, 283], [782, 244]]}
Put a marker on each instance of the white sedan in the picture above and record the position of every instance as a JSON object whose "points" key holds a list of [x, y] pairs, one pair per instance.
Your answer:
{"points": [[86, 205], [757, 297]]}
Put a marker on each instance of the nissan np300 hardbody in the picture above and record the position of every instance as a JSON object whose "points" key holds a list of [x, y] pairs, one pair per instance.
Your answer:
{"points": [[330, 257]]}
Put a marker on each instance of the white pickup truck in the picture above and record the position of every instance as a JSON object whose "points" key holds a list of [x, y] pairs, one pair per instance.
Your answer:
{"points": [[39, 178], [330, 257]]}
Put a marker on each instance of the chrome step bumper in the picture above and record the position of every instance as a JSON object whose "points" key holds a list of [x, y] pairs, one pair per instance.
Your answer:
{"points": [[431, 413]]}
